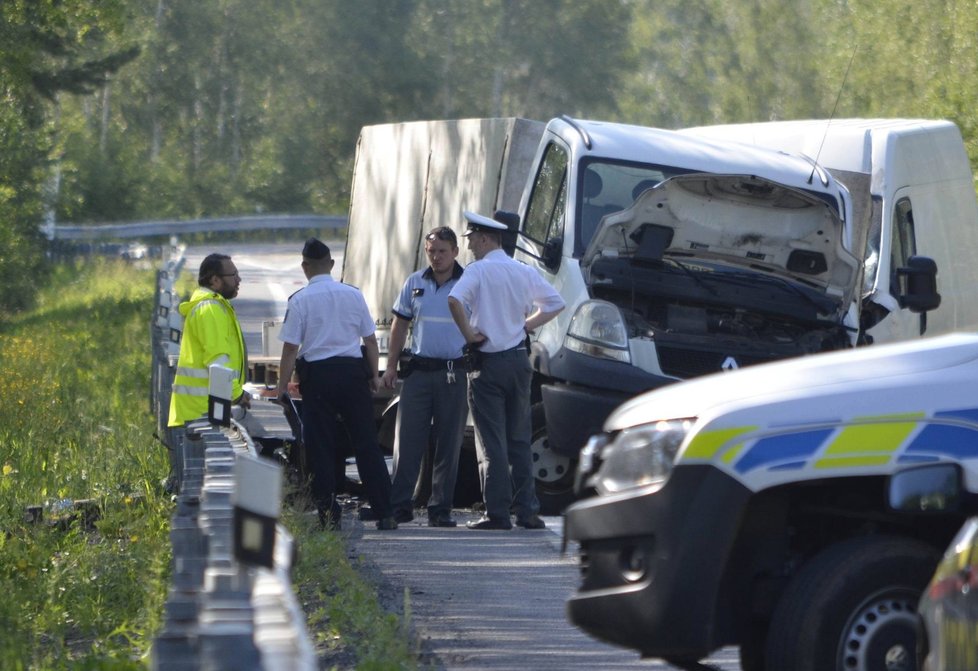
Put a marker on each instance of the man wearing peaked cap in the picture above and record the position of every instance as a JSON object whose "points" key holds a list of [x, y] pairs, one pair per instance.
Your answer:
{"points": [[480, 223], [495, 304], [324, 326]]}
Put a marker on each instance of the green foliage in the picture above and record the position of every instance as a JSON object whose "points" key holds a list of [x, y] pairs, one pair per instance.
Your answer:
{"points": [[45, 48], [245, 106], [74, 425]]}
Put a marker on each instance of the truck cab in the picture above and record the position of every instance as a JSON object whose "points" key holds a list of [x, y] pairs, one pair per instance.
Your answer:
{"points": [[678, 256]]}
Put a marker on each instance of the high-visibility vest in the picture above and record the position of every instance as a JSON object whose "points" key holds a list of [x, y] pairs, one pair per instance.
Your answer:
{"points": [[211, 335]]}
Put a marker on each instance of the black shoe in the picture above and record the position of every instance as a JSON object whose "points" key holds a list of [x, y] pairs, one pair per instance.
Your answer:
{"points": [[490, 523], [442, 520], [403, 516], [387, 524], [367, 514], [532, 522]]}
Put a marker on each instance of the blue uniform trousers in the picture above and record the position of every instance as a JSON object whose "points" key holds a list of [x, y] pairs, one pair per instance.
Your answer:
{"points": [[335, 389], [430, 410], [499, 397]]}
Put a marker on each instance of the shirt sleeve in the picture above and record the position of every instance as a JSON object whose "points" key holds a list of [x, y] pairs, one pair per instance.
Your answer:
{"points": [[545, 296], [367, 325], [403, 306], [291, 331], [465, 289]]}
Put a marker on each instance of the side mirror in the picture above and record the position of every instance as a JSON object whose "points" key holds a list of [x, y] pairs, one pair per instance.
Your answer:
{"points": [[934, 488], [919, 289], [551, 253]]}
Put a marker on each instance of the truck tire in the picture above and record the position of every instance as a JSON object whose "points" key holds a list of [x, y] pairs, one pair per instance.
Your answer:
{"points": [[853, 607], [554, 473]]}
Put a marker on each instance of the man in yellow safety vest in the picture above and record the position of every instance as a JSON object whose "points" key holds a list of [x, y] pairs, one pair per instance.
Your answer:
{"points": [[211, 335]]}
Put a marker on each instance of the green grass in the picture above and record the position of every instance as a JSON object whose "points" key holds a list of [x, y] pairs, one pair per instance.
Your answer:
{"points": [[75, 424]]}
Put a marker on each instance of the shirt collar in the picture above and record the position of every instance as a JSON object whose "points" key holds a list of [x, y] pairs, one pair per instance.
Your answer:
{"points": [[429, 274], [325, 277]]}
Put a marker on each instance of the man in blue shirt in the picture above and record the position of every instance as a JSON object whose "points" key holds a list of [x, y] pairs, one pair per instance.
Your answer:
{"points": [[433, 395]]}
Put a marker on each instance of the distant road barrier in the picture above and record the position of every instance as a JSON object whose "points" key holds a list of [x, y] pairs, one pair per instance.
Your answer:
{"points": [[220, 614], [143, 229]]}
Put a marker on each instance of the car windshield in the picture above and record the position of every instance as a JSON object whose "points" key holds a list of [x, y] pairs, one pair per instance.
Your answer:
{"points": [[610, 186]]}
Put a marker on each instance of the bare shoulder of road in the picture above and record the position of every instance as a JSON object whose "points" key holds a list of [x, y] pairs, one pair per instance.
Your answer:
{"points": [[487, 599]]}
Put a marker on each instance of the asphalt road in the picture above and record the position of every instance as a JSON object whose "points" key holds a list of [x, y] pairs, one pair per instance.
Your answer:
{"points": [[475, 599], [490, 599]]}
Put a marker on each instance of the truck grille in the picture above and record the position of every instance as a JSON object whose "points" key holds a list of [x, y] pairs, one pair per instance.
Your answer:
{"points": [[685, 363]]}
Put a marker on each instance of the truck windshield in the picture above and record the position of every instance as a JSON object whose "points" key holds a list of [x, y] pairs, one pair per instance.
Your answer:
{"points": [[611, 186]]}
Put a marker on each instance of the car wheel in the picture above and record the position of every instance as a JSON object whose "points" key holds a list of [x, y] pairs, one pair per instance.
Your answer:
{"points": [[853, 607]]}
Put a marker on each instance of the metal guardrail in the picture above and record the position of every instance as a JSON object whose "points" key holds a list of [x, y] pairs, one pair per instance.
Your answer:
{"points": [[142, 229], [220, 614]]}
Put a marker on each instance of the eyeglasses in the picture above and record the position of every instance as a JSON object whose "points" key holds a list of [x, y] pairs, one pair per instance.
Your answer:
{"points": [[228, 275]]}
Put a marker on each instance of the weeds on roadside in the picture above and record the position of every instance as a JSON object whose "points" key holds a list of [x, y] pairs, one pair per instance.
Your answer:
{"points": [[342, 610], [74, 424]]}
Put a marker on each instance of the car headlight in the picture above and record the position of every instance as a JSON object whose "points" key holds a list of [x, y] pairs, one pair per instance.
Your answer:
{"points": [[640, 456], [598, 329]]}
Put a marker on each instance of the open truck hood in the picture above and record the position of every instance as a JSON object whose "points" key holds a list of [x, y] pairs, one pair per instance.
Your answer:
{"points": [[735, 222]]}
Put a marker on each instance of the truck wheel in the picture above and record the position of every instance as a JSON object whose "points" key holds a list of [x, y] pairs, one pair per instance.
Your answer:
{"points": [[852, 608], [554, 472]]}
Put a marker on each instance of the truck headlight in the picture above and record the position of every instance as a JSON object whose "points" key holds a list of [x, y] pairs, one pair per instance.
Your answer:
{"points": [[640, 456], [598, 329]]}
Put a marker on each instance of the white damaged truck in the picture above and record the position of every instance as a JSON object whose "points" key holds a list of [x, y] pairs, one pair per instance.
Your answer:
{"points": [[796, 509], [678, 255], [681, 254]]}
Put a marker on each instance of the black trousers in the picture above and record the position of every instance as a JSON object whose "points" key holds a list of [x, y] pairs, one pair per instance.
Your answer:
{"points": [[336, 389]]}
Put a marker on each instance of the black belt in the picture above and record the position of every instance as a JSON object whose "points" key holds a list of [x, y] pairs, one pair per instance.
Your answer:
{"points": [[336, 360], [511, 350], [428, 364]]}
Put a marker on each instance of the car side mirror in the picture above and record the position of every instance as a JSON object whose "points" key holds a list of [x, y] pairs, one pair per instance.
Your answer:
{"points": [[919, 289], [935, 488]]}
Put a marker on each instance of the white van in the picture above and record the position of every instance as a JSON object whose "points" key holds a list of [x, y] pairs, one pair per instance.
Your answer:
{"points": [[678, 256]]}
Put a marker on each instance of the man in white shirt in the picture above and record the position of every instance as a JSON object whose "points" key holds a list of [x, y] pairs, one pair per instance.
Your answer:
{"points": [[321, 338], [506, 300]]}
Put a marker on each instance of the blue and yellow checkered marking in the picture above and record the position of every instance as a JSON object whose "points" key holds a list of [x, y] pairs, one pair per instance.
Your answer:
{"points": [[875, 441]]}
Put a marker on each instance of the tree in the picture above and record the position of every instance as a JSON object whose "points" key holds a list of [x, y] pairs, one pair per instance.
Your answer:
{"points": [[46, 49]]}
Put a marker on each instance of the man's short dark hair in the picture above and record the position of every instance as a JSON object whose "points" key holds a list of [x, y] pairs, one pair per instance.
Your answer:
{"points": [[212, 265], [443, 233]]}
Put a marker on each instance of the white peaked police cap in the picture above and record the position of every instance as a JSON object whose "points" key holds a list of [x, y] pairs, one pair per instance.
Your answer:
{"points": [[478, 222]]}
